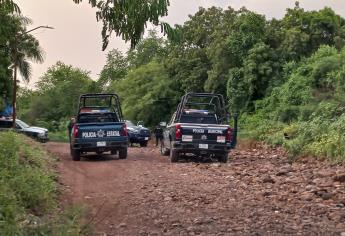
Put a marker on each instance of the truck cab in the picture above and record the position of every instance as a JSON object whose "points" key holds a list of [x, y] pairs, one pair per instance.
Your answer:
{"points": [[99, 126], [200, 126]]}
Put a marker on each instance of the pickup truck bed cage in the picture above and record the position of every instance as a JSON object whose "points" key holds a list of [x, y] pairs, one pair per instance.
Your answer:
{"points": [[209, 101], [111, 103]]}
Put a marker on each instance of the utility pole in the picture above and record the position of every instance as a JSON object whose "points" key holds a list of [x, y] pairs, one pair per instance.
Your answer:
{"points": [[15, 68]]}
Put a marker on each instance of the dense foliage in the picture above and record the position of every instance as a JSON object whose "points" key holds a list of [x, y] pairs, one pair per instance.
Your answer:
{"points": [[56, 97], [17, 49]]}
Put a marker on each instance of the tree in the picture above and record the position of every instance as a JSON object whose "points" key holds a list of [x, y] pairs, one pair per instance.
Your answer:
{"points": [[9, 26], [115, 68], [152, 47], [147, 94], [128, 19], [9, 6], [6, 29], [58, 90], [306, 31], [22, 48]]}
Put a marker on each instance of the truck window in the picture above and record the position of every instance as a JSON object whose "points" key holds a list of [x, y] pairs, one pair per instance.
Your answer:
{"points": [[198, 119], [97, 117]]}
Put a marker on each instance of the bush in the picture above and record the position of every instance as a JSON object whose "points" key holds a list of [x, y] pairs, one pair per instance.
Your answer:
{"points": [[28, 192], [309, 109]]}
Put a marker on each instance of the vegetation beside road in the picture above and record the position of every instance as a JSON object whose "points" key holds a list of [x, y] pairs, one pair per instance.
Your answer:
{"points": [[29, 191]]}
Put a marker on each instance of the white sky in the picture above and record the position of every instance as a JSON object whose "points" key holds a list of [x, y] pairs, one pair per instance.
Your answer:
{"points": [[76, 37]]}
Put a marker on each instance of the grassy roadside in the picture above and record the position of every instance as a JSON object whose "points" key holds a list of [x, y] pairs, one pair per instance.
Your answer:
{"points": [[59, 136], [319, 137], [28, 191]]}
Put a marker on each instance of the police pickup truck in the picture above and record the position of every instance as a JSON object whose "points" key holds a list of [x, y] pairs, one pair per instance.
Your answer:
{"points": [[98, 127], [200, 126]]}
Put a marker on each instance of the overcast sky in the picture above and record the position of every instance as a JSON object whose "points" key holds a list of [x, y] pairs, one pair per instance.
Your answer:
{"points": [[76, 37]]}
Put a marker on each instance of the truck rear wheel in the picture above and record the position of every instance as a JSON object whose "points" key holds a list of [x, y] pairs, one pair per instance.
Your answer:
{"points": [[174, 155], [123, 153], [75, 155], [223, 158]]}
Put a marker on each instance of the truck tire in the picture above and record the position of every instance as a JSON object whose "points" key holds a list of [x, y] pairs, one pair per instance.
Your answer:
{"points": [[143, 144], [174, 155], [75, 155], [223, 158], [123, 153]]}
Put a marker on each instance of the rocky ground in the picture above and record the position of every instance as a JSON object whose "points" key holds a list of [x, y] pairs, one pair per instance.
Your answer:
{"points": [[259, 192]]}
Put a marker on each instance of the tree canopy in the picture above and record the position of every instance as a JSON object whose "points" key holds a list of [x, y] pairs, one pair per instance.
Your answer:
{"points": [[128, 19]]}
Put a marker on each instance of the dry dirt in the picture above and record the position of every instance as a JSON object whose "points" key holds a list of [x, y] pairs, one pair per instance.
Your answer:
{"points": [[259, 192]]}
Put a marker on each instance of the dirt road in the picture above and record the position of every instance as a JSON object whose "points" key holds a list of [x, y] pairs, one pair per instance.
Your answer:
{"points": [[257, 193]]}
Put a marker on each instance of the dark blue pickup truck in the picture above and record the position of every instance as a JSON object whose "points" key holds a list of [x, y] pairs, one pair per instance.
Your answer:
{"points": [[138, 134], [99, 127], [200, 126]]}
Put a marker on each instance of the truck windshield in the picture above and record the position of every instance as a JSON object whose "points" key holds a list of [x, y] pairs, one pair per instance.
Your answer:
{"points": [[22, 124], [198, 119], [97, 117]]}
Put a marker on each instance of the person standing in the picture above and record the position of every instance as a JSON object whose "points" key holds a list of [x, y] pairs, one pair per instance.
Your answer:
{"points": [[158, 133], [70, 126]]}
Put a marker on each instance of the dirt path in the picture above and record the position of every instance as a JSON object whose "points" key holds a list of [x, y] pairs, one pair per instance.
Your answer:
{"points": [[257, 193]]}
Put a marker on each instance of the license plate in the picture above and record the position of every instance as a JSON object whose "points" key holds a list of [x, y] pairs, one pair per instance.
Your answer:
{"points": [[203, 146], [146, 138], [220, 139], [101, 144], [187, 138]]}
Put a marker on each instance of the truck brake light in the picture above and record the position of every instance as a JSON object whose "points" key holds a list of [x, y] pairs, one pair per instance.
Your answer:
{"points": [[75, 131], [228, 136], [178, 132], [124, 130]]}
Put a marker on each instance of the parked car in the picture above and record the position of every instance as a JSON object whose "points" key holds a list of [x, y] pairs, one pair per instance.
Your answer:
{"points": [[98, 127], [138, 133], [38, 133], [200, 126]]}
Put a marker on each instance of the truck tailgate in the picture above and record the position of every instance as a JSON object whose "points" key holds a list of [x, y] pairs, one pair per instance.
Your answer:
{"points": [[101, 131], [204, 133]]}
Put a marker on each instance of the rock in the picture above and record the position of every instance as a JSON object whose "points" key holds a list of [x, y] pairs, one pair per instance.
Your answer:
{"points": [[336, 216], [339, 178], [324, 194], [167, 199], [268, 179], [310, 188], [307, 196], [216, 165], [176, 224], [266, 193], [122, 225], [284, 170], [190, 229], [197, 221]]}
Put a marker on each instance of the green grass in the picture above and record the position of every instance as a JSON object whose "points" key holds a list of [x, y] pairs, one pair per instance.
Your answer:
{"points": [[59, 136], [28, 191]]}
